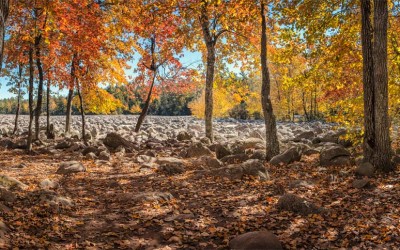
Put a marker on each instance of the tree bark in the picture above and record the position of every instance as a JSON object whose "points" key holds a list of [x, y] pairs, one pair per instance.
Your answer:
{"points": [[78, 88], [272, 144], [70, 96], [368, 81], [48, 109], [210, 41], [30, 90], [146, 104], [18, 99], [40, 87], [4, 9], [383, 152]]}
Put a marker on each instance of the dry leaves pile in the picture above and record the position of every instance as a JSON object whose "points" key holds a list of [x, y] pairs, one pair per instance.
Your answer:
{"points": [[204, 213]]}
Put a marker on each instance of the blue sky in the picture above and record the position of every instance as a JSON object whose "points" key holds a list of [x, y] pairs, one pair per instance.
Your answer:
{"points": [[190, 59]]}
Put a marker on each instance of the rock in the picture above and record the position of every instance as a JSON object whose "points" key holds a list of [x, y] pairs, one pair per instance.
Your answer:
{"points": [[360, 183], [260, 240], [11, 183], [71, 167], [51, 133], [233, 159], [52, 198], [237, 171], [170, 161], [184, 136], [365, 169], [255, 168], [6, 143], [63, 145], [208, 161], [145, 159], [48, 184], [6, 195], [221, 151], [309, 135], [91, 156], [114, 140], [197, 150], [241, 146], [205, 140], [91, 149], [171, 169], [259, 154], [296, 204], [334, 156], [104, 156], [289, 156]]}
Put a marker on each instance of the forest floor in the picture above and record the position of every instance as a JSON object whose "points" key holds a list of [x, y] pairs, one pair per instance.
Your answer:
{"points": [[205, 213]]}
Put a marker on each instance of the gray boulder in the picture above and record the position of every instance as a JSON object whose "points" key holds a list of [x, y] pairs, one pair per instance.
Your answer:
{"points": [[184, 136], [261, 240], [365, 169], [296, 204], [197, 150], [70, 167], [334, 156], [291, 155]]}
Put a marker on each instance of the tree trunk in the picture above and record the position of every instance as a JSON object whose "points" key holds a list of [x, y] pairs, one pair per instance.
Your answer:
{"points": [[40, 87], [272, 144], [305, 107], [69, 111], [30, 90], [18, 99], [4, 9], [383, 153], [48, 109], [368, 81], [78, 88], [146, 104], [209, 102], [70, 96]]}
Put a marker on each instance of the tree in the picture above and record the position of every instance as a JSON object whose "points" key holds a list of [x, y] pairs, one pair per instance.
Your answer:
{"points": [[382, 158], [4, 9], [272, 144]]}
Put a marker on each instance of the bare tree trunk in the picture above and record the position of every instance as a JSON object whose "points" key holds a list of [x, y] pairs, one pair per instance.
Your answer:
{"points": [[48, 109], [78, 88], [368, 81], [210, 41], [305, 107], [70, 96], [18, 99], [146, 104], [40, 87], [209, 101], [272, 144], [4, 9], [383, 152], [30, 90]]}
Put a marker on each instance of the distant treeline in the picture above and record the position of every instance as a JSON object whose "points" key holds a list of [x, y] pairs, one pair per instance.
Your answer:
{"points": [[168, 104]]}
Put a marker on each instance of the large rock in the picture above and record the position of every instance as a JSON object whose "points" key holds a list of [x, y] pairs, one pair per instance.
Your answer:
{"points": [[171, 169], [6, 195], [208, 161], [260, 240], [365, 169], [11, 183], [296, 204], [70, 167], [197, 150], [291, 155], [237, 171], [334, 156], [308, 135], [184, 136], [114, 140], [221, 151], [234, 159]]}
